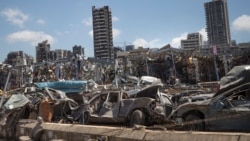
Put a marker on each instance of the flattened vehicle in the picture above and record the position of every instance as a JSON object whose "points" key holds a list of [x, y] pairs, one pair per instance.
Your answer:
{"points": [[52, 105], [227, 110], [114, 106]]}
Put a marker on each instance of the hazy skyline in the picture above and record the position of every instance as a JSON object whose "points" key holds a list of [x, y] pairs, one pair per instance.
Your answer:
{"points": [[142, 22]]}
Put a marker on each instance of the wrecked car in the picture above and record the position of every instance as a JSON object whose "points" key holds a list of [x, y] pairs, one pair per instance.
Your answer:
{"points": [[115, 106], [72, 88], [142, 82], [227, 110], [30, 103], [187, 95], [52, 105], [56, 103], [15, 107]]}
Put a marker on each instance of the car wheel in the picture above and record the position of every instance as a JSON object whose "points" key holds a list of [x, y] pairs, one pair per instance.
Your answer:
{"points": [[84, 119], [137, 117], [193, 123]]}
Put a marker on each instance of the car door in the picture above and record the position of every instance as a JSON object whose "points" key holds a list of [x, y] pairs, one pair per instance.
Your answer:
{"points": [[168, 104], [241, 103], [110, 107], [219, 119], [229, 113]]}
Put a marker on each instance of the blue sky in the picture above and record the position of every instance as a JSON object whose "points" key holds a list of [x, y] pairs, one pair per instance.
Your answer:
{"points": [[148, 23]]}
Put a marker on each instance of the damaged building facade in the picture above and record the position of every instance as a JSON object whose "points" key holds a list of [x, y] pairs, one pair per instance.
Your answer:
{"points": [[190, 67], [166, 63]]}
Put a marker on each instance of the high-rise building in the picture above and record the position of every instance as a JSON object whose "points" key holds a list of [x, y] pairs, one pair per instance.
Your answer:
{"points": [[78, 50], [43, 51], [130, 47], [193, 41], [102, 33], [218, 29]]}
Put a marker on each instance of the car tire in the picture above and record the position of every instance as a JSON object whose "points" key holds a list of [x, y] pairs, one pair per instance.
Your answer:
{"points": [[84, 118], [137, 118], [197, 124]]}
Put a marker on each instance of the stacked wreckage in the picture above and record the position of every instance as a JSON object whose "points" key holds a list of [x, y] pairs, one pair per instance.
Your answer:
{"points": [[133, 101]]}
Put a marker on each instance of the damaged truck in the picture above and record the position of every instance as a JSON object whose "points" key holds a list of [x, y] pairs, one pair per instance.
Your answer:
{"points": [[115, 106]]}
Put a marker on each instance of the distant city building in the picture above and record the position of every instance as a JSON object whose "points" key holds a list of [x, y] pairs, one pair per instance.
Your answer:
{"points": [[42, 51], [140, 52], [68, 54], [217, 21], [244, 45], [244, 48], [129, 47], [233, 43], [18, 58], [102, 33], [59, 54], [193, 42], [52, 55], [116, 49], [78, 50], [206, 50]]}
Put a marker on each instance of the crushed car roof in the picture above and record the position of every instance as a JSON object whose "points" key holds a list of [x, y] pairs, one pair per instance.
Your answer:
{"points": [[149, 91], [238, 75]]}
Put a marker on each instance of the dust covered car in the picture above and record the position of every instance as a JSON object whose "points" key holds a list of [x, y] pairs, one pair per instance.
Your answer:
{"points": [[227, 110], [114, 106], [52, 105], [72, 88]]}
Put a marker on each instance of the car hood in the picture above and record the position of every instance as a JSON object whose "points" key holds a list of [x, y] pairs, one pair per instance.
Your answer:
{"points": [[149, 91], [16, 101]]}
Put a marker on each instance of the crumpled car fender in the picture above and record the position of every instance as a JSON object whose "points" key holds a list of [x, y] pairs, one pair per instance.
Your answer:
{"points": [[186, 108]]}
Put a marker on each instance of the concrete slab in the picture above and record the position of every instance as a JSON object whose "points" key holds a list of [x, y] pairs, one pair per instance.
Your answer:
{"points": [[188, 136], [244, 137], [74, 132]]}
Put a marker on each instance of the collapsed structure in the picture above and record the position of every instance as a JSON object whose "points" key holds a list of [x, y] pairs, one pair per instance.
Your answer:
{"points": [[166, 63]]}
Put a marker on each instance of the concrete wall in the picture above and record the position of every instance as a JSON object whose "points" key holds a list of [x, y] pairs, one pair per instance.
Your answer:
{"points": [[74, 132]]}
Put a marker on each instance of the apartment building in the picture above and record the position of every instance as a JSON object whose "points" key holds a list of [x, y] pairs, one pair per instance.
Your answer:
{"points": [[42, 51], [102, 32], [193, 42], [217, 21], [78, 50]]}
